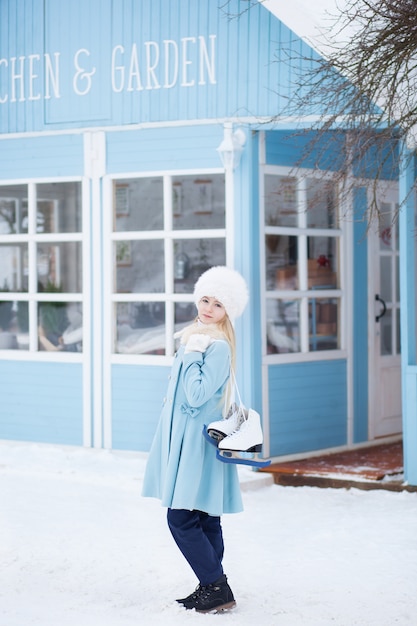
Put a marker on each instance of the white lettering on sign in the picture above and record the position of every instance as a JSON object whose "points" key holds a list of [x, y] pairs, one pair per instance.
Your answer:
{"points": [[162, 67], [186, 63], [82, 74], [15, 73]]}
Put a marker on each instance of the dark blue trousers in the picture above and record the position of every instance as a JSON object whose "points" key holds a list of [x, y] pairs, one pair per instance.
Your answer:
{"points": [[199, 537]]}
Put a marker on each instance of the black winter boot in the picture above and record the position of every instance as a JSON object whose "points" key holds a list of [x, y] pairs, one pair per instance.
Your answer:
{"points": [[189, 600], [214, 597]]}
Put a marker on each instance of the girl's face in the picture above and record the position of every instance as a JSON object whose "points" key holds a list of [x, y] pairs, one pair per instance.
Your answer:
{"points": [[210, 310]]}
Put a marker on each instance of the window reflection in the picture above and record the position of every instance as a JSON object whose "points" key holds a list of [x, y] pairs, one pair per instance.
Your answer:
{"points": [[140, 328], [192, 257], [13, 209], [321, 204], [59, 267], [14, 325], [323, 262], [198, 202], [58, 207], [280, 201], [282, 326], [140, 266], [323, 323], [138, 204], [60, 326], [281, 262], [14, 267], [172, 203]]}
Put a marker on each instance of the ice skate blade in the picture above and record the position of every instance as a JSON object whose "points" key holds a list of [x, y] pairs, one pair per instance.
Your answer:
{"points": [[242, 458], [219, 609], [251, 450]]}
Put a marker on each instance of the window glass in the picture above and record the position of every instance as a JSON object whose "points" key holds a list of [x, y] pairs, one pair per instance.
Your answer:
{"points": [[280, 201], [192, 257], [281, 262], [58, 207], [60, 326], [302, 243], [190, 204], [323, 262], [13, 325], [139, 266], [140, 328], [32, 211], [198, 202], [14, 267], [386, 278], [138, 204], [321, 204], [385, 227], [59, 267], [185, 313], [283, 326], [324, 323], [13, 209], [386, 334]]}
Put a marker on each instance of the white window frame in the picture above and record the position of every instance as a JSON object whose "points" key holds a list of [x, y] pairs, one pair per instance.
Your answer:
{"points": [[304, 355], [32, 296], [168, 235]]}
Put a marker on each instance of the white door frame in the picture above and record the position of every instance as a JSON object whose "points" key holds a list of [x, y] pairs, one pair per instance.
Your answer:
{"points": [[383, 400]]}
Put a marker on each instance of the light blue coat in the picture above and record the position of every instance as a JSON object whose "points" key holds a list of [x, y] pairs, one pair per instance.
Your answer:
{"points": [[182, 468]]}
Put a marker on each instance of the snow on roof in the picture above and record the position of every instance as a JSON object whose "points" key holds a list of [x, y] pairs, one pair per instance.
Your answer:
{"points": [[310, 20]]}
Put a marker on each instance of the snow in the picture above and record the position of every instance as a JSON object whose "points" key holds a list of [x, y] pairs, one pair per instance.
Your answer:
{"points": [[79, 546], [315, 22]]}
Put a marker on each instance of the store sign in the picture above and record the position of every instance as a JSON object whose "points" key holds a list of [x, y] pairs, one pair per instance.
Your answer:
{"points": [[186, 63]]}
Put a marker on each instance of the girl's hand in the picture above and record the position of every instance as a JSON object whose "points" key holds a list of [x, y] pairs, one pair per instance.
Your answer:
{"points": [[198, 342]]}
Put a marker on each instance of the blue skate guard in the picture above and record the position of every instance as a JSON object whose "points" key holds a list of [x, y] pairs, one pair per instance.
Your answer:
{"points": [[227, 456]]}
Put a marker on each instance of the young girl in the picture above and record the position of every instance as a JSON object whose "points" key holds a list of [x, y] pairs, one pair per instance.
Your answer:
{"points": [[182, 468]]}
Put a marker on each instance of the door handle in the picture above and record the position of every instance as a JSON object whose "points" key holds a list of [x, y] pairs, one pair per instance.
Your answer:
{"points": [[384, 307]]}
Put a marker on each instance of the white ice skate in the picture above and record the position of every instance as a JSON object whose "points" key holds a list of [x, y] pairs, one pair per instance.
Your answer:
{"points": [[244, 444], [222, 428]]}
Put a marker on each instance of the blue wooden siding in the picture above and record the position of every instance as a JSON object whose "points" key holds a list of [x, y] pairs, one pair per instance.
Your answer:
{"points": [[81, 31], [307, 406], [305, 149], [41, 402], [38, 157], [159, 149], [360, 319], [137, 396], [117, 62]]}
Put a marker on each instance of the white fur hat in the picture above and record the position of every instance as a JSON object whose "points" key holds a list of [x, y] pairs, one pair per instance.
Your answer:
{"points": [[227, 286]]}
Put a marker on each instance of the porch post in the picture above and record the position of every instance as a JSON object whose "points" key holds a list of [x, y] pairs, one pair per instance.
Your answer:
{"points": [[407, 228]]}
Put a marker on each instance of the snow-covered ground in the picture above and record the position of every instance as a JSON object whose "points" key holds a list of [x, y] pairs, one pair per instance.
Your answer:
{"points": [[79, 546]]}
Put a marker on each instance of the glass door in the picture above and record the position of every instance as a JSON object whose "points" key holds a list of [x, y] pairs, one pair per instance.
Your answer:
{"points": [[385, 361]]}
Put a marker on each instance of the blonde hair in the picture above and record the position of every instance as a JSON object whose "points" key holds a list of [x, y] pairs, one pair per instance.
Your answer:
{"points": [[226, 331], [226, 327]]}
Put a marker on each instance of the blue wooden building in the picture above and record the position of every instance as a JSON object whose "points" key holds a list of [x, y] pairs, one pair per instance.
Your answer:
{"points": [[141, 143]]}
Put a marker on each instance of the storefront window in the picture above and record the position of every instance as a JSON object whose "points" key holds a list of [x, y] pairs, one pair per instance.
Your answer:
{"points": [[138, 204], [58, 208], [33, 267], [189, 214], [59, 267], [139, 266], [302, 260], [13, 209]]}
